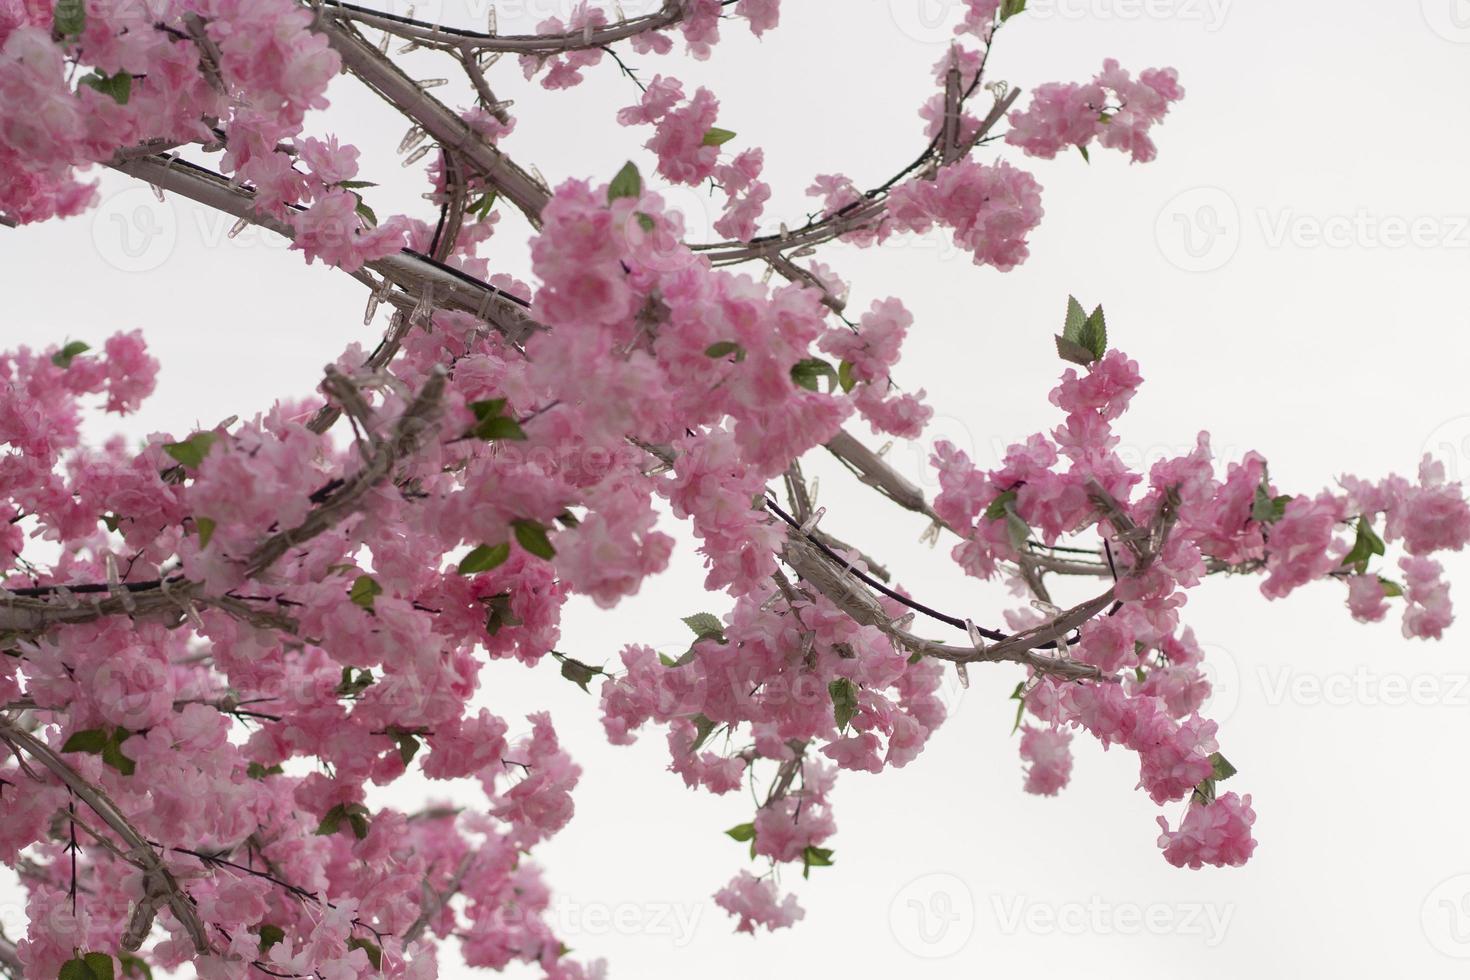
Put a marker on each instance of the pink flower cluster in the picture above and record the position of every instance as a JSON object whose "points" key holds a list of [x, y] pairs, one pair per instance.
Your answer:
{"points": [[1114, 109]]}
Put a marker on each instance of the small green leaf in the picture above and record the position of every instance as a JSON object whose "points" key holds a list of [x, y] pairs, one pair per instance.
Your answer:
{"points": [[1223, 769], [364, 211], [1000, 505], [1266, 509], [206, 530], [1076, 319], [484, 558], [1086, 157], [118, 87], [645, 221], [1094, 335], [191, 451], [814, 857], [500, 428], [1019, 696], [627, 183], [364, 591], [531, 536], [269, 935], [703, 729], [374, 954], [807, 372], [355, 814], [70, 352], [845, 380], [69, 18], [133, 966], [112, 753], [717, 137], [1010, 8], [353, 685], [724, 349], [578, 673], [90, 741], [353, 185], [257, 771], [1391, 589], [88, 966], [113, 521], [499, 613], [1074, 352], [1367, 545], [706, 626], [844, 702], [742, 832], [408, 745]]}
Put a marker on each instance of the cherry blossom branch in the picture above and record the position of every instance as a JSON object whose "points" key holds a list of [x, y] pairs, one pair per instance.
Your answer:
{"points": [[444, 126], [434, 901], [579, 39], [158, 882], [411, 272], [10, 963], [408, 430]]}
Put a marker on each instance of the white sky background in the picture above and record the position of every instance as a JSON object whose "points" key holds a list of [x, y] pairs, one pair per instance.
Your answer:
{"points": [[1329, 356]]}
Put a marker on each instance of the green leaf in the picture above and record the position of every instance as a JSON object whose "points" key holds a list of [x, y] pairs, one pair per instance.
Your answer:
{"points": [[191, 451], [352, 185], [257, 771], [1076, 319], [269, 935], [1094, 335], [724, 349], [67, 354], [1010, 8], [364, 211], [703, 729], [118, 87], [579, 673], [134, 966], [112, 753], [480, 208], [627, 183], [844, 702], [645, 221], [717, 137], [845, 380], [364, 591], [355, 814], [1267, 509], [1074, 352], [88, 966], [90, 741], [814, 857], [532, 536], [706, 626], [69, 18], [1365, 547], [1086, 157], [742, 832], [503, 427], [408, 745], [351, 685], [113, 521], [484, 558], [374, 954], [807, 372], [499, 613], [1391, 589], [1223, 769], [1000, 505], [1019, 696], [206, 530]]}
